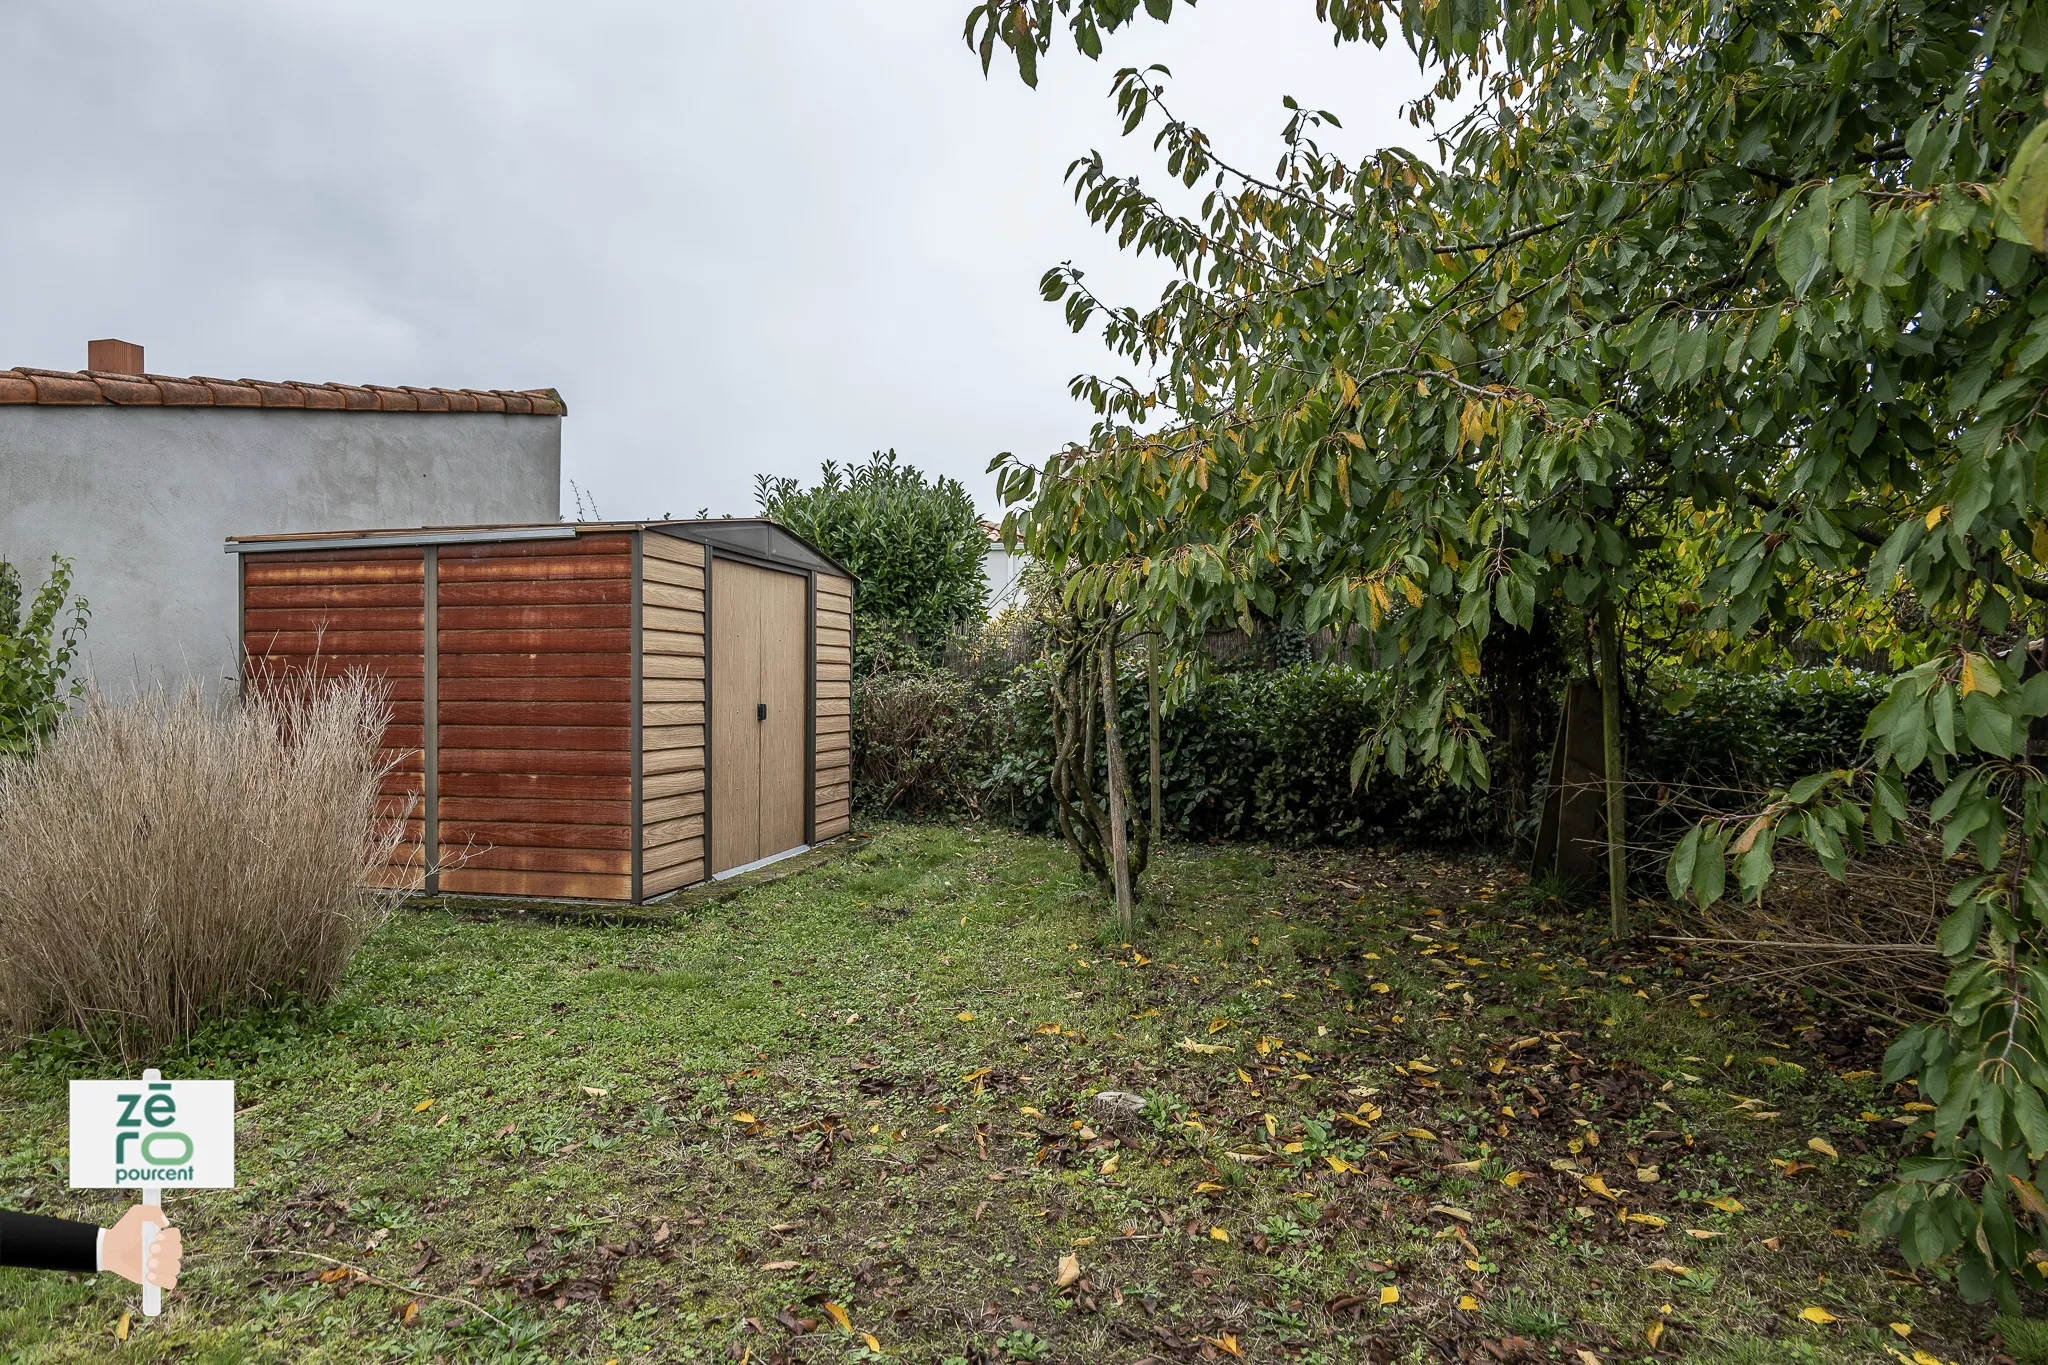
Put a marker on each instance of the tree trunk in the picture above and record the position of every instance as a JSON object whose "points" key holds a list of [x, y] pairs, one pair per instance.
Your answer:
{"points": [[1610, 724], [1152, 722], [1113, 751]]}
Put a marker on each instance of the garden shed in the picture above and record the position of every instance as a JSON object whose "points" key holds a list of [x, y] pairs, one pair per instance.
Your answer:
{"points": [[597, 710]]}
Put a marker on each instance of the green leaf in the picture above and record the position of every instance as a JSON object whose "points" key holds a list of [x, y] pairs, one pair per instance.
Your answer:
{"points": [[1678, 872], [1959, 932]]}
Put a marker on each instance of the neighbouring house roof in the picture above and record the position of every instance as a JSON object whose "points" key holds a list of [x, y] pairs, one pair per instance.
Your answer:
{"points": [[88, 388]]}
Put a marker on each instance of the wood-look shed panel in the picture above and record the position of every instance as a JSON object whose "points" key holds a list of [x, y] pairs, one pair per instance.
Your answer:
{"points": [[831, 757], [535, 717]]}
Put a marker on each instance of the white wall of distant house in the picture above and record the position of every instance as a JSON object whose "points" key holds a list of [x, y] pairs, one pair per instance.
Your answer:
{"points": [[1003, 571]]}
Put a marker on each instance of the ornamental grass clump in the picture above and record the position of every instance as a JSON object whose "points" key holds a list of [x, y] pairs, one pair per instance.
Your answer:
{"points": [[169, 858]]}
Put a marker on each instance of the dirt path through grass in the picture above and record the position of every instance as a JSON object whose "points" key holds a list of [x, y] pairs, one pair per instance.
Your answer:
{"points": [[1395, 1111]]}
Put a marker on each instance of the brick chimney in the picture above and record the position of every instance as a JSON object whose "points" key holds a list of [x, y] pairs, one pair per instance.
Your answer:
{"points": [[113, 357]]}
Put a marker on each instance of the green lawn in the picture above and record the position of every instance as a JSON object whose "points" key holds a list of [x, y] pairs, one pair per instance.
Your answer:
{"points": [[862, 1090]]}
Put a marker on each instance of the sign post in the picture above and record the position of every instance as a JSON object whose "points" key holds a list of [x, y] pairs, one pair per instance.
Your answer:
{"points": [[147, 1135]]}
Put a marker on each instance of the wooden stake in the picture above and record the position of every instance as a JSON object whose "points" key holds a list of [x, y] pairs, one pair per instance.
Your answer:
{"points": [[1152, 719], [1113, 751], [1610, 725]]}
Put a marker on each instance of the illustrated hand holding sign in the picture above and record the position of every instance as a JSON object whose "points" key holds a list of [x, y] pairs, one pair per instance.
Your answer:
{"points": [[152, 1134]]}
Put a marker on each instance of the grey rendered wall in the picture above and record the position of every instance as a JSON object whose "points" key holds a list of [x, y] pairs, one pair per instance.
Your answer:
{"points": [[140, 500]]}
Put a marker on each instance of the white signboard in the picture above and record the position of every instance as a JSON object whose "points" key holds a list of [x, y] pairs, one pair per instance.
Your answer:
{"points": [[152, 1133]]}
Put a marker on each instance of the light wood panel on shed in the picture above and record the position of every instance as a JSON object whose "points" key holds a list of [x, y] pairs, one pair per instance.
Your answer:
{"points": [[671, 713], [832, 770]]}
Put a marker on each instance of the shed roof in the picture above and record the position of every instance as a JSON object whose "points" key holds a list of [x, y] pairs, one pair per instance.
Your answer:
{"points": [[747, 535], [90, 388]]}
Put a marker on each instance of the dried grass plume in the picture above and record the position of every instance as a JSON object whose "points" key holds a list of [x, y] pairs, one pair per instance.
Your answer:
{"points": [[169, 857]]}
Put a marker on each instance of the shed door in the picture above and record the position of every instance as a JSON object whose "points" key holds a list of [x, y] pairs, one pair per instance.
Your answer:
{"points": [[758, 625]]}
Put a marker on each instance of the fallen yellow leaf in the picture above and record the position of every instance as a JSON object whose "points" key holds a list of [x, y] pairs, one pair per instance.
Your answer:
{"points": [[1448, 1211], [1190, 1045], [1218, 1235], [1226, 1343], [1823, 1146], [1109, 1167], [1207, 1187], [1648, 1220], [1665, 1263], [1467, 1303], [1389, 1296], [1514, 1178], [121, 1327], [594, 1092], [1815, 1313], [1904, 1329], [1598, 1186], [1727, 1204], [1341, 1166], [1464, 1167], [838, 1315], [965, 1016], [976, 1075], [1700, 1233], [1420, 1134], [1069, 1270], [423, 1106], [744, 1117], [1654, 1331]]}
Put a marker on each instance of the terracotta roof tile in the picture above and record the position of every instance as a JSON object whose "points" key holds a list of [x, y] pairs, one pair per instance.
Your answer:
{"points": [[86, 388]]}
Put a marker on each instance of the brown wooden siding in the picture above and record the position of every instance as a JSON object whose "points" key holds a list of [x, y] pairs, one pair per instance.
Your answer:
{"points": [[535, 717], [335, 613], [832, 766], [671, 713]]}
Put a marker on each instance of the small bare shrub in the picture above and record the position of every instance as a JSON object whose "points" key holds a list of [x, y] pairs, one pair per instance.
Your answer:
{"points": [[919, 742], [168, 857]]}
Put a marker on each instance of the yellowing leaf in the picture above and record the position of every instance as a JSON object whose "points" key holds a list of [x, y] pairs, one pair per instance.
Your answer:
{"points": [[1218, 1235], [1109, 1167], [744, 1117], [1514, 1178], [1669, 1266], [1702, 1233], [1598, 1186], [1341, 1166], [121, 1327], [976, 1075], [1190, 1045], [1052, 1028], [423, 1106], [838, 1315], [872, 1344], [1654, 1331], [1226, 1343], [1815, 1313], [1468, 1303], [1726, 1203], [1207, 1187], [1904, 1329], [1420, 1134], [1389, 1296], [965, 1016], [1029, 1112], [1449, 1211], [1464, 1167], [1823, 1146], [1934, 516], [1648, 1220], [1069, 1270]]}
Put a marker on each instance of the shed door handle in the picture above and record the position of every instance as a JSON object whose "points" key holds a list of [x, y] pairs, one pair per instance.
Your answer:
{"points": [[761, 711]]}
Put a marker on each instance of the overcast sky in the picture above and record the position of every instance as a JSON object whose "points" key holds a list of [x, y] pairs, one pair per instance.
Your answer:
{"points": [[738, 237]]}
